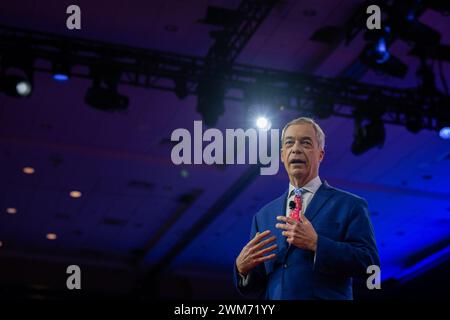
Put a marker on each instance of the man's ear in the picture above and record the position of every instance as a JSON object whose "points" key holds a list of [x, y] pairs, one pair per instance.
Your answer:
{"points": [[322, 154], [281, 154]]}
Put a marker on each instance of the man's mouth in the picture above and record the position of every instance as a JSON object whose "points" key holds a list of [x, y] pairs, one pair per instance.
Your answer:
{"points": [[297, 161]]}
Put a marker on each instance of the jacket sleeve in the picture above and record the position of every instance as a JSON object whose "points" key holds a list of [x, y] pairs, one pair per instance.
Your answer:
{"points": [[356, 252], [255, 283]]}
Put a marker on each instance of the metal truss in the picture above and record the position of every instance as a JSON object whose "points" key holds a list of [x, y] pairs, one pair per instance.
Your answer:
{"points": [[148, 68]]}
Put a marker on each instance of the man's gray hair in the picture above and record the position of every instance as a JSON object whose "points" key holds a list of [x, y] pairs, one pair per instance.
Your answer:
{"points": [[320, 136]]}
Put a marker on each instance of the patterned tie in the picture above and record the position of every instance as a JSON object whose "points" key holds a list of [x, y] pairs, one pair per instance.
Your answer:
{"points": [[297, 211]]}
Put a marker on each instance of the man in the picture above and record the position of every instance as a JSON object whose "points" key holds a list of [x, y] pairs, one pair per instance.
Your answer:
{"points": [[311, 241]]}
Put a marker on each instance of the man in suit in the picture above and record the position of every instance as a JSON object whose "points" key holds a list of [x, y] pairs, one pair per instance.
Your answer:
{"points": [[316, 253]]}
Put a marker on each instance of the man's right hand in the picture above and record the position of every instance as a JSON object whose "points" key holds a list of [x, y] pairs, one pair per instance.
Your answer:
{"points": [[253, 253]]}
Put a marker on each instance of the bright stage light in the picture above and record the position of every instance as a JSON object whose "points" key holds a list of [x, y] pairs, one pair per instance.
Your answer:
{"points": [[263, 123]]}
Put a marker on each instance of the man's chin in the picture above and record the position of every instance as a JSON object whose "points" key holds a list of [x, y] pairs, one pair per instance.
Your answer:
{"points": [[297, 172]]}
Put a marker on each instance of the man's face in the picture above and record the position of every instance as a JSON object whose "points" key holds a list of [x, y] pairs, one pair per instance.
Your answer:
{"points": [[300, 152]]}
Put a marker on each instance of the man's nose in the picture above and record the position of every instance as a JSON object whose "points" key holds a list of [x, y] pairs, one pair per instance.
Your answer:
{"points": [[297, 147]]}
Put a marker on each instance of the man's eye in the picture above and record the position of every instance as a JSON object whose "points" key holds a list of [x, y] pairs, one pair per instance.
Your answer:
{"points": [[288, 142]]}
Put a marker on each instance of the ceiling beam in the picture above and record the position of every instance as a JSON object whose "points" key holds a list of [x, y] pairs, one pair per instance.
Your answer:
{"points": [[155, 69]]}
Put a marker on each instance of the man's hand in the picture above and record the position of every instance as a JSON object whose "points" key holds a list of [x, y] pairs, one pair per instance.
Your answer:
{"points": [[253, 253], [298, 233]]}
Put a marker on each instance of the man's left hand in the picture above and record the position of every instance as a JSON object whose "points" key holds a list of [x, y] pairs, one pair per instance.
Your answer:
{"points": [[298, 233]]}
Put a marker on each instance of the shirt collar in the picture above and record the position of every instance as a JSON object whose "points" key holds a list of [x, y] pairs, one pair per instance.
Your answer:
{"points": [[312, 186]]}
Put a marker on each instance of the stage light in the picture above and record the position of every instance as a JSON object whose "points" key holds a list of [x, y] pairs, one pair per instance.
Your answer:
{"points": [[442, 110], [16, 86], [376, 54], [382, 61], [103, 94], [444, 133], [382, 54], [16, 77], [105, 99], [61, 72], [23, 88], [60, 77], [368, 135], [210, 100], [263, 123], [414, 120], [261, 102], [181, 89], [411, 16]]}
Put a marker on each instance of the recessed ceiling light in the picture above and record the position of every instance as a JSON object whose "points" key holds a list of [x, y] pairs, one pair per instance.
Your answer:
{"points": [[184, 173], [11, 210], [52, 236], [75, 194], [28, 170]]}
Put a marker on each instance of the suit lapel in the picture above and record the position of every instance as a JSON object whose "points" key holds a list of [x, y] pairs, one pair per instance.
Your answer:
{"points": [[280, 211], [318, 200]]}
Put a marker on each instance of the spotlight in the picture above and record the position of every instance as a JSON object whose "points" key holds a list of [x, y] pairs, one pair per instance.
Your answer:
{"points": [[442, 111], [381, 53], [60, 77], [181, 89], [61, 71], [263, 123], [444, 133], [414, 121], [103, 95], [260, 104], [210, 104], [367, 136], [105, 99], [377, 57], [376, 54], [16, 86], [16, 78]]}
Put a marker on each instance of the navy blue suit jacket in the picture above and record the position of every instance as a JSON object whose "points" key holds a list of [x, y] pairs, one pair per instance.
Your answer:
{"points": [[345, 248]]}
